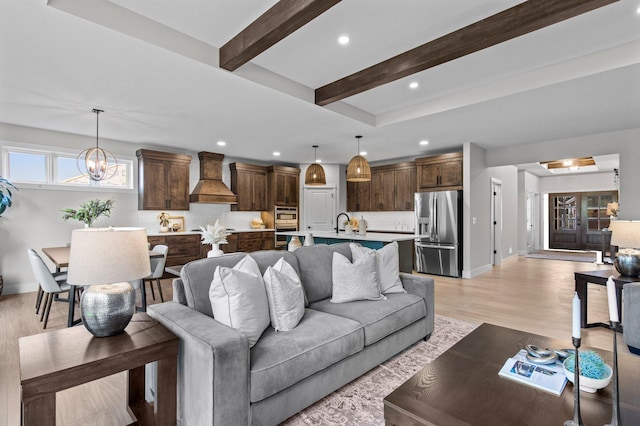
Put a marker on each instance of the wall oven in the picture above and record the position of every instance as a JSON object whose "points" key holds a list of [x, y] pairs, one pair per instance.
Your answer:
{"points": [[285, 219]]}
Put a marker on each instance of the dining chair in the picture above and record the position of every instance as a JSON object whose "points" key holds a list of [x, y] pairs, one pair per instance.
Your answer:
{"points": [[50, 284], [157, 270]]}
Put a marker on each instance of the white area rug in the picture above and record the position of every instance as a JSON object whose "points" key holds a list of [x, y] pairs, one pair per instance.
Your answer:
{"points": [[359, 403]]}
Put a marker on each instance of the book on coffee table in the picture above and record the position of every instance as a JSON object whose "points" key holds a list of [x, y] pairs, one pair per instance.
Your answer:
{"points": [[549, 377]]}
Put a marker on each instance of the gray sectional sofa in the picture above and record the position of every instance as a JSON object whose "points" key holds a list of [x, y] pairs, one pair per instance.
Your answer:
{"points": [[223, 382]]}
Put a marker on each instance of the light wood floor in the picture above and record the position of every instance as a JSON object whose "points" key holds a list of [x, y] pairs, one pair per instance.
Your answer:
{"points": [[533, 295]]}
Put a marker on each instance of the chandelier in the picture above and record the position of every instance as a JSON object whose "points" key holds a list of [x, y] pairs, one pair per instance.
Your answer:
{"points": [[97, 163]]}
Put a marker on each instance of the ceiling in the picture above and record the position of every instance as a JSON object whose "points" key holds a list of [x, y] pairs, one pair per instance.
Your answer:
{"points": [[153, 67]]}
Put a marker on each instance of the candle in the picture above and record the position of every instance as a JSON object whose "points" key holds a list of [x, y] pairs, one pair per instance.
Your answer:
{"points": [[576, 316], [613, 300]]}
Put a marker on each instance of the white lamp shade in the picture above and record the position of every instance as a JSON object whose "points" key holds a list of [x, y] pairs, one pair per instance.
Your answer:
{"points": [[108, 255], [625, 233]]}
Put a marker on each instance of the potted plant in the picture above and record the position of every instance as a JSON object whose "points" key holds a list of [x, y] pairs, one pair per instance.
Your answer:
{"points": [[89, 211], [5, 202], [214, 235], [163, 218]]}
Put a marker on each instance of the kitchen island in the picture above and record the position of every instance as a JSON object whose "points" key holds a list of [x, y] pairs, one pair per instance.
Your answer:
{"points": [[374, 240]]}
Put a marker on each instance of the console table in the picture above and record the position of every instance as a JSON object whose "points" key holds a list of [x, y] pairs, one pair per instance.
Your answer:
{"points": [[60, 359], [599, 277]]}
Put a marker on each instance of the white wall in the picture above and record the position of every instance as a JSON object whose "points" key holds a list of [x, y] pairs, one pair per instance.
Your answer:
{"points": [[477, 250], [35, 220]]}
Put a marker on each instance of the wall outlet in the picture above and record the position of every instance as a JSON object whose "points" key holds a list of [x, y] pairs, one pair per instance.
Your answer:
{"points": [[510, 250], [474, 220]]}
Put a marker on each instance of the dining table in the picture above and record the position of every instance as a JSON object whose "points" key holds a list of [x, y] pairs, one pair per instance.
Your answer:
{"points": [[60, 258]]}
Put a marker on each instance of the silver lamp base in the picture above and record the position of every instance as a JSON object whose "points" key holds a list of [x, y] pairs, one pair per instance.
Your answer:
{"points": [[628, 264], [107, 309]]}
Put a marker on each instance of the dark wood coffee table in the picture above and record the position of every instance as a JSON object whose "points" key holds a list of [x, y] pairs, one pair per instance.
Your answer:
{"points": [[462, 387]]}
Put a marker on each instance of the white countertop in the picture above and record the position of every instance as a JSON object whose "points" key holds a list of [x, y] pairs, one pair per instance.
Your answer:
{"points": [[385, 237]]}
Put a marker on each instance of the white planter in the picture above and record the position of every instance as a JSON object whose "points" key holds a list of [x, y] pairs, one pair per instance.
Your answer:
{"points": [[215, 250]]}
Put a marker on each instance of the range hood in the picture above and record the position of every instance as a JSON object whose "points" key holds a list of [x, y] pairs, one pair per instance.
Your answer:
{"points": [[210, 188]]}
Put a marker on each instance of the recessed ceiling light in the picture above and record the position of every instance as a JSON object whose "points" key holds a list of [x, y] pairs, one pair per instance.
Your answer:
{"points": [[343, 40], [424, 142], [363, 153], [318, 160], [222, 143], [413, 85], [276, 153], [638, 11]]}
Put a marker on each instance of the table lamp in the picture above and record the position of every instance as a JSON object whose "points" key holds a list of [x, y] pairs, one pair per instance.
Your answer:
{"points": [[105, 259], [626, 235]]}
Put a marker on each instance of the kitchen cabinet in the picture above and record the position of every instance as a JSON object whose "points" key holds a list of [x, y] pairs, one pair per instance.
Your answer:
{"points": [[283, 186], [440, 172], [358, 196], [391, 189], [163, 180], [249, 241], [249, 183], [183, 248]]}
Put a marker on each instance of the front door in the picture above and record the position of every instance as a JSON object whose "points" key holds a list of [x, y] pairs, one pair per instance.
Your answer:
{"points": [[565, 231]]}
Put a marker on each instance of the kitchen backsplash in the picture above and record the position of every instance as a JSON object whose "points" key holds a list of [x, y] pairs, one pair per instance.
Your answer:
{"points": [[387, 221], [200, 215]]}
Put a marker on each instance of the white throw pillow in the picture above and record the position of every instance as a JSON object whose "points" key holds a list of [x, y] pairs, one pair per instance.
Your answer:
{"points": [[354, 281], [239, 300], [285, 295], [387, 266]]}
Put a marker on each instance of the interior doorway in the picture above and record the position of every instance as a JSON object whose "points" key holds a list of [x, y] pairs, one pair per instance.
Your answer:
{"points": [[320, 208]]}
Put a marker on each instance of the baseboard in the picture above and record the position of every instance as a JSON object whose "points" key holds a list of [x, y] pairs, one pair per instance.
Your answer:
{"points": [[477, 271]]}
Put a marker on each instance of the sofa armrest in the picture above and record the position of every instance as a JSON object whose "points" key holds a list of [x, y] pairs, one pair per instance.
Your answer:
{"points": [[213, 367], [178, 291], [421, 286]]}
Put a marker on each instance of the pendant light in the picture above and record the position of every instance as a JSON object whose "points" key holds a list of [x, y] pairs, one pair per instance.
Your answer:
{"points": [[315, 173], [97, 163], [358, 169]]}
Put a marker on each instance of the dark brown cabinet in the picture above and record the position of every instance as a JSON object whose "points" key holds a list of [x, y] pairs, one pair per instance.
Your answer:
{"points": [[283, 186], [183, 248], [249, 183], [391, 189], [163, 180], [439, 172], [358, 196]]}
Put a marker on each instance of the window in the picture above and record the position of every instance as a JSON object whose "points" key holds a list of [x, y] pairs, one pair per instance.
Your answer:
{"points": [[55, 168]]}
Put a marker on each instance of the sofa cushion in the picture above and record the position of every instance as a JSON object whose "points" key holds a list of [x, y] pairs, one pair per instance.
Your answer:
{"points": [[281, 359], [379, 318], [285, 295], [355, 281], [197, 275], [239, 299], [315, 267], [387, 266]]}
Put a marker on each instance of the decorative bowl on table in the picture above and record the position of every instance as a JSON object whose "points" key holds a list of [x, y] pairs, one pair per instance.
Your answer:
{"points": [[587, 384]]}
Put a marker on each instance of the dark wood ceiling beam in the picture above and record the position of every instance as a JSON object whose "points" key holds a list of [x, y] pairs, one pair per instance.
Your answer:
{"points": [[506, 25], [282, 19]]}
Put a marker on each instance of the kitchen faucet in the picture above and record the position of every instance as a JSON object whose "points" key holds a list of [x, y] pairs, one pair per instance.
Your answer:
{"points": [[338, 223]]}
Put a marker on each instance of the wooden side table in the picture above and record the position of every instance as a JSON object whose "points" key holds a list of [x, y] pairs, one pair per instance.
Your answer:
{"points": [[60, 359]]}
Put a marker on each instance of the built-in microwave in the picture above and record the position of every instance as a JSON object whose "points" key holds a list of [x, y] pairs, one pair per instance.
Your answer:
{"points": [[286, 219]]}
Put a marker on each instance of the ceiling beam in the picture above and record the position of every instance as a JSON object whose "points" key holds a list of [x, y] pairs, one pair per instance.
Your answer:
{"points": [[524, 18], [282, 19]]}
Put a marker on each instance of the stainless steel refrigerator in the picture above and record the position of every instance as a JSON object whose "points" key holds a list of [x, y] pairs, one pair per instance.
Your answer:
{"points": [[438, 225]]}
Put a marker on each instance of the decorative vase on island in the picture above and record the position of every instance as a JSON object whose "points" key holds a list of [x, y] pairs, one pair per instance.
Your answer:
{"points": [[215, 250], [348, 229], [294, 243]]}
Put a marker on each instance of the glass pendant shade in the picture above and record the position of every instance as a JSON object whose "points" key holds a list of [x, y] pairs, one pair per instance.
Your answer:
{"points": [[358, 169], [97, 163], [315, 173]]}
